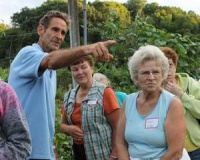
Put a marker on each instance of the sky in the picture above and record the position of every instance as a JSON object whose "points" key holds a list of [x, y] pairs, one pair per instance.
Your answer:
{"points": [[8, 8]]}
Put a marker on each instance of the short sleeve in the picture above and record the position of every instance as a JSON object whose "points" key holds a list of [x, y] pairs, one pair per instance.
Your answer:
{"points": [[110, 102]]}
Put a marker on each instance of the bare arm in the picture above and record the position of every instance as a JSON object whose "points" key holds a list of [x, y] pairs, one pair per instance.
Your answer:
{"points": [[113, 120], [122, 149], [175, 127], [63, 58], [75, 132]]}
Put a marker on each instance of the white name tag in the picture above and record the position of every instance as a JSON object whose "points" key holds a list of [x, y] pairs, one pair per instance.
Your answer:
{"points": [[140, 159], [151, 123], [92, 101]]}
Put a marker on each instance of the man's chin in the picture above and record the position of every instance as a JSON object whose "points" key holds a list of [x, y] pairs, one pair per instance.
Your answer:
{"points": [[55, 48]]}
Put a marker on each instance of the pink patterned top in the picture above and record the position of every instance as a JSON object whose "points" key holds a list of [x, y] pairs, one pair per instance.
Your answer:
{"points": [[15, 142]]}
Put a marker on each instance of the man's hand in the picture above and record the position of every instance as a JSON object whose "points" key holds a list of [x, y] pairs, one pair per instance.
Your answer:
{"points": [[100, 50]]}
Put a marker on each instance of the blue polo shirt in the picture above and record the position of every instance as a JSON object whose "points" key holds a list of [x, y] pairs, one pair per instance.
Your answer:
{"points": [[36, 91]]}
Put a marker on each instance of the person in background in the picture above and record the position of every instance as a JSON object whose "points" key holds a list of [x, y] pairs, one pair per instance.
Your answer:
{"points": [[152, 124], [91, 114], [15, 141], [33, 76], [104, 79], [187, 90]]}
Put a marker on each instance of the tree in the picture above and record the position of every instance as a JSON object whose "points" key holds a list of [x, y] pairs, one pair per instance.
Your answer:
{"points": [[107, 9], [102, 12], [149, 9], [135, 7], [107, 21], [27, 19], [3, 27], [172, 19]]}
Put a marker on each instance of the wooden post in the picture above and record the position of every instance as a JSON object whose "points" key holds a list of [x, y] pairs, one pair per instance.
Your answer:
{"points": [[74, 27]]}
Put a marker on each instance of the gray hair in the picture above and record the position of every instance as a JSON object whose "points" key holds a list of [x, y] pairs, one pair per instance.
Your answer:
{"points": [[45, 20], [100, 77], [146, 53]]}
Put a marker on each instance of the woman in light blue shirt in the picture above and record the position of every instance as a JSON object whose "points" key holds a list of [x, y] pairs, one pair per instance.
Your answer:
{"points": [[152, 124]]}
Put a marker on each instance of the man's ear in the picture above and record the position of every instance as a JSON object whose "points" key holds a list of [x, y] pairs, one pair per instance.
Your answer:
{"points": [[40, 29]]}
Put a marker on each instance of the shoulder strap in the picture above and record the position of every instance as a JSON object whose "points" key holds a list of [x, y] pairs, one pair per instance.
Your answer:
{"points": [[66, 101]]}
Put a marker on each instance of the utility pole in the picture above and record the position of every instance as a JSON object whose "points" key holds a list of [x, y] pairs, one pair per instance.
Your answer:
{"points": [[85, 21], [74, 27]]}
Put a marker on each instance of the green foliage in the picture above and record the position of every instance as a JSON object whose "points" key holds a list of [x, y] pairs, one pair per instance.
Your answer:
{"points": [[62, 142], [13, 40], [151, 24], [3, 74], [22, 19], [64, 81], [172, 19], [106, 9], [149, 9], [3, 27], [141, 33], [135, 7]]}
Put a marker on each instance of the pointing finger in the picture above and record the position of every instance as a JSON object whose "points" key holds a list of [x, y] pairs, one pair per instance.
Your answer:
{"points": [[109, 43]]}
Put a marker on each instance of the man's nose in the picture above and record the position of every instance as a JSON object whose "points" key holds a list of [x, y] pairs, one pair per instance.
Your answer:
{"points": [[59, 35]]}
